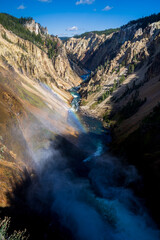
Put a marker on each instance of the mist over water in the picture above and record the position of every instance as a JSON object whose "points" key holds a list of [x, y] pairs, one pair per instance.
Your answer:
{"points": [[88, 194], [84, 192], [98, 205]]}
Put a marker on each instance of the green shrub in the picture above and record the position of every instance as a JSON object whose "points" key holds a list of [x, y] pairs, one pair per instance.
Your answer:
{"points": [[93, 106], [118, 69], [98, 89], [113, 70], [123, 63], [106, 32], [52, 47], [83, 103], [115, 85], [103, 97], [17, 235], [25, 19], [111, 90], [106, 117], [143, 22], [131, 68], [16, 26], [5, 37], [122, 78], [2, 149], [22, 46]]}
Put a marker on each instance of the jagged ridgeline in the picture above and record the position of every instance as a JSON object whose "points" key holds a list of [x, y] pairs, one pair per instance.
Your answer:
{"points": [[18, 26], [144, 21], [141, 22], [105, 32]]}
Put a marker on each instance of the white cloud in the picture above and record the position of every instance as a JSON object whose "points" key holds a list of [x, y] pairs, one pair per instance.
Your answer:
{"points": [[74, 28], [84, 2], [21, 7], [107, 8]]}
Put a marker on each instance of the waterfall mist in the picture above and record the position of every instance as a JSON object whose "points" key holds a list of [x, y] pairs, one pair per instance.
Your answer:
{"points": [[78, 191], [89, 200]]}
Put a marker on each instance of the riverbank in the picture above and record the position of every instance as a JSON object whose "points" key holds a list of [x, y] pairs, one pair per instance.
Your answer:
{"points": [[145, 158], [140, 149]]}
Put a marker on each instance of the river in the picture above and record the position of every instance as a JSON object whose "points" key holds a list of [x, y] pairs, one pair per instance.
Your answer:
{"points": [[108, 208], [80, 191], [94, 134]]}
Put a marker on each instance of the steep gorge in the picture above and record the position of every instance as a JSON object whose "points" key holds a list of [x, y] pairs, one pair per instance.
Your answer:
{"points": [[55, 169], [130, 60], [123, 91]]}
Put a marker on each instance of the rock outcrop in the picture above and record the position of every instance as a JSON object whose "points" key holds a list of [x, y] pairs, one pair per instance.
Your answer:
{"points": [[36, 27], [82, 50], [28, 59]]}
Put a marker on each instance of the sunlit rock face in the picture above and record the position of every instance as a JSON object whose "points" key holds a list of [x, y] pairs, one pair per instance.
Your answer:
{"points": [[34, 104], [29, 60], [83, 49], [36, 27], [129, 66], [93, 50]]}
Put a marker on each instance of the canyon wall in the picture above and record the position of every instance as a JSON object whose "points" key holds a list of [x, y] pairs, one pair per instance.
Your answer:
{"points": [[124, 92], [34, 104]]}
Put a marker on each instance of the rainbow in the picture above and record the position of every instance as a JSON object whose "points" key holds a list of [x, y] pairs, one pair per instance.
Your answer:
{"points": [[77, 121], [73, 118]]}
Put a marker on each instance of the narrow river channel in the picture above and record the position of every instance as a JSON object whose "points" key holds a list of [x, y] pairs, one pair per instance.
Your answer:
{"points": [[109, 209]]}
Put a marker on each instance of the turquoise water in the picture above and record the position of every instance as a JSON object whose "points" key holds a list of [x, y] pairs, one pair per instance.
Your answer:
{"points": [[108, 206], [92, 129], [76, 95]]}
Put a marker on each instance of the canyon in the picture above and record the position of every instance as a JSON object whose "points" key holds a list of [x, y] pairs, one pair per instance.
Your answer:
{"points": [[60, 164], [123, 92]]}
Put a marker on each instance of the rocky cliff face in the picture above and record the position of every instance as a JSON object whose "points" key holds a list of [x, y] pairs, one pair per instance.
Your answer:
{"points": [[124, 92], [129, 74], [34, 104], [27, 59], [36, 27], [82, 50]]}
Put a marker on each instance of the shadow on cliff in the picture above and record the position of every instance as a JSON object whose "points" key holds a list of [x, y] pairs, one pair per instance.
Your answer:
{"points": [[68, 195], [29, 209], [31, 201], [141, 147]]}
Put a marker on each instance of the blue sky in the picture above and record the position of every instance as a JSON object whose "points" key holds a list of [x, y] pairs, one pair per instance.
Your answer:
{"points": [[70, 17]]}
